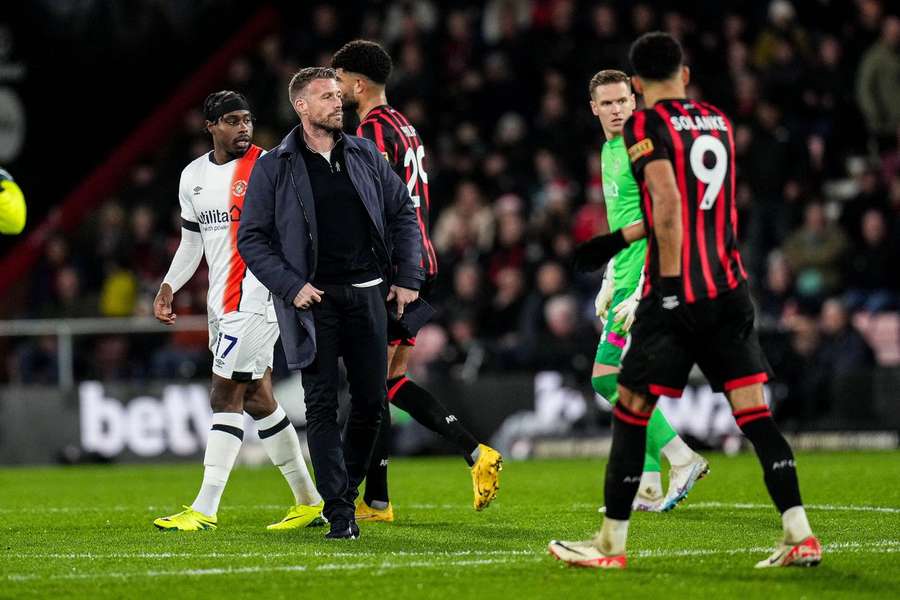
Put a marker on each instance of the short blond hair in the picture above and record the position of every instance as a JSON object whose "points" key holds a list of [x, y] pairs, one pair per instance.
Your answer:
{"points": [[607, 76]]}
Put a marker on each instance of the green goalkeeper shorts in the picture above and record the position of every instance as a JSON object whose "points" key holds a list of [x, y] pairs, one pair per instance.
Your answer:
{"points": [[614, 337]]}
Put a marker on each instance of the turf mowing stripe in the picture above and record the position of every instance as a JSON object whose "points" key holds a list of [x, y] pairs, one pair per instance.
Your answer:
{"points": [[315, 554], [882, 546]]}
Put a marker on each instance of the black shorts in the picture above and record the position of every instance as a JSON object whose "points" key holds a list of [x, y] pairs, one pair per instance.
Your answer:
{"points": [[395, 334], [725, 346]]}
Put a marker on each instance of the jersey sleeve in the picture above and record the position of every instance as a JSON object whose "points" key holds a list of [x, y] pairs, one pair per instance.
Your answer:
{"points": [[384, 139], [644, 140], [189, 218]]}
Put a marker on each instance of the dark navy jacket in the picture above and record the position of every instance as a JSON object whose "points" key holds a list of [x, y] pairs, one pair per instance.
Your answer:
{"points": [[279, 242]]}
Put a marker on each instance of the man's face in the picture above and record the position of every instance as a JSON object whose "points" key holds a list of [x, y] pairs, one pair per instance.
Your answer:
{"points": [[612, 103], [321, 104], [233, 132], [348, 82]]}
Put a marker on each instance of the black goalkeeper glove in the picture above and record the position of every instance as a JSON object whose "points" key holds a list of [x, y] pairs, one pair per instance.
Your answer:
{"points": [[596, 252], [674, 307]]}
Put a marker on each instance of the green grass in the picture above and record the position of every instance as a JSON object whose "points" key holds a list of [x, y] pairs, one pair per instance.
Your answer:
{"points": [[86, 532]]}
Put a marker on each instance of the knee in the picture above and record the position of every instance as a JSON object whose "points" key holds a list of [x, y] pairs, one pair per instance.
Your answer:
{"points": [[636, 402], [223, 397], [605, 386]]}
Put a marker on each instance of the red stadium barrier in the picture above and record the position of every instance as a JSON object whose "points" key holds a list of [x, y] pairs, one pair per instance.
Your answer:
{"points": [[150, 133]]}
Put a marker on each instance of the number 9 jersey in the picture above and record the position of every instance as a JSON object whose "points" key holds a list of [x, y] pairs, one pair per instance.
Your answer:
{"points": [[698, 139], [400, 145]]}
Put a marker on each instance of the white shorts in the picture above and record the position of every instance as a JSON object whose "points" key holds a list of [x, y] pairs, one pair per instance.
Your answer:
{"points": [[243, 345]]}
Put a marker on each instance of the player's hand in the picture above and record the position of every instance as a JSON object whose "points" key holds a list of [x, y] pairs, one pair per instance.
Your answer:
{"points": [[596, 252], [625, 310], [162, 305], [306, 296], [674, 307], [402, 296], [604, 296]]}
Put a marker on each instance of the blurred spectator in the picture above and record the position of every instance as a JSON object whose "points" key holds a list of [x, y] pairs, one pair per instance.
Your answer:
{"points": [[878, 85], [872, 273], [843, 350], [777, 295], [815, 253], [465, 224]]}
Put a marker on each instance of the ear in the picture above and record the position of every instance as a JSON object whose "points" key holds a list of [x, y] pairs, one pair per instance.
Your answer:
{"points": [[209, 126], [299, 105], [633, 102], [685, 75], [594, 109], [637, 84]]}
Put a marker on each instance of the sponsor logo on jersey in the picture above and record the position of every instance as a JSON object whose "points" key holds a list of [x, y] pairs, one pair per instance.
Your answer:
{"points": [[408, 130], [215, 220], [197, 190], [610, 189], [642, 148]]}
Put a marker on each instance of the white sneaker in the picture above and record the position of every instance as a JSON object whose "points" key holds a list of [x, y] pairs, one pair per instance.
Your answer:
{"points": [[682, 479], [648, 499]]}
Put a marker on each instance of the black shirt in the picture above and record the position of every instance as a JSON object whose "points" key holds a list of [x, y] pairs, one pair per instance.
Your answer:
{"points": [[344, 226]]}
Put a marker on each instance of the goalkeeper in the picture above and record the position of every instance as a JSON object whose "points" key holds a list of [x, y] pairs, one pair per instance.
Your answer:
{"points": [[612, 102]]}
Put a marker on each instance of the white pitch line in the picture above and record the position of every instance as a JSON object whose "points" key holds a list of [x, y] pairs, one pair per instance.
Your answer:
{"points": [[759, 506], [883, 546], [299, 554], [574, 507]]}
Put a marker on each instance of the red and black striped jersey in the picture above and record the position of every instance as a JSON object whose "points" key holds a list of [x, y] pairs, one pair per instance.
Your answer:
{"points": [[698, 139], [399, 142]]}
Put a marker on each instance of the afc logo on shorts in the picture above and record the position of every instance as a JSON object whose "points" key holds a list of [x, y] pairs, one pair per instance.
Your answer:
{"points": [[239, 187]]}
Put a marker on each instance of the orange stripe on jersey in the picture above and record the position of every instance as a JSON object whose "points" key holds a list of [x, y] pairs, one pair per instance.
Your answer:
{"points": [[237, 268]]}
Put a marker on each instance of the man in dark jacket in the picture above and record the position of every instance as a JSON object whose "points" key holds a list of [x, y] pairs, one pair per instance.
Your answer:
{"points": [[328, 227]]}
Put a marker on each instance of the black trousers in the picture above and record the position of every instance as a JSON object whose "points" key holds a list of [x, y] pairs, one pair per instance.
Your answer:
{"points": [[350, 322]]}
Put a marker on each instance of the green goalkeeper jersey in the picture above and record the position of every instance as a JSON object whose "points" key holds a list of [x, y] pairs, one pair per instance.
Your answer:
{"points": [[623, 207]]}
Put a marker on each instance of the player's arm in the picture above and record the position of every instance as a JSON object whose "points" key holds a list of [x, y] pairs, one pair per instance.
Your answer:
{"points": [[596, 252], [663, 188], [186, 260]]}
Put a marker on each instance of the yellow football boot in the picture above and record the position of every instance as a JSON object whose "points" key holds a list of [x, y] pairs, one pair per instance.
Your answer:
{"points": [[366, 513], [187, 520], [301, 515], [486, 476]]}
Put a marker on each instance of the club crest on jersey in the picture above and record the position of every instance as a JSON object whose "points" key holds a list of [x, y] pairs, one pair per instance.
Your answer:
{"points": [[642, 148], [239, 187]]}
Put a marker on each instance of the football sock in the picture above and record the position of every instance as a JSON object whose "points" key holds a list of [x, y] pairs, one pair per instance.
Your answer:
{"points": [[280, 440], [612, 536], [651, 480], [376, 477], [796, 525], [623, 471], [659, 432], [675, 449], [222, 448], [775, 456], [427, 410]]}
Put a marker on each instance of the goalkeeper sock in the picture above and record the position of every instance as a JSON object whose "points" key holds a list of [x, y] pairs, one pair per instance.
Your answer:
{"points": [[623, 471], [222, 448], [427, 410], [658, 428], [279, 438], [775, 456], [376, 494]]}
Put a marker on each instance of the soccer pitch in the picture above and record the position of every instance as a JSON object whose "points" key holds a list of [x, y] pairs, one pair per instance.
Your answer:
{"points": [[86, 532]]}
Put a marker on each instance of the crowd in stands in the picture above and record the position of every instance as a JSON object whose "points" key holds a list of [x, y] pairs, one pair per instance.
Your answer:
{"points": [[498, 92]]}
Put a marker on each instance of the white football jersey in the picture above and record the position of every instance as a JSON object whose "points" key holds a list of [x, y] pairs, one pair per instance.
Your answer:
{"points": [[212, 199]]}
